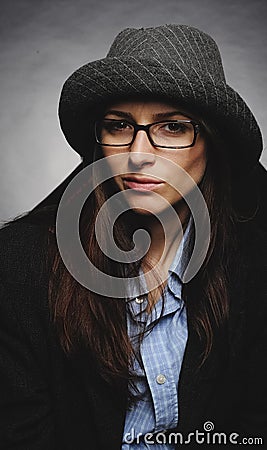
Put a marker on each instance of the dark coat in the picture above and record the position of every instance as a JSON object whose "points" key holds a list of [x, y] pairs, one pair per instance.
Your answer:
{"points": [[51, 402]]}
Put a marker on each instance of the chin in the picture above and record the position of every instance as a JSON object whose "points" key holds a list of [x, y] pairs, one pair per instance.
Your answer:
{"points": [[146, 208], [144, 212], [146, 204]]}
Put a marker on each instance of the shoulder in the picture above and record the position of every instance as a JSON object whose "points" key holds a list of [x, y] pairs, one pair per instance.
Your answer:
{"points": [[24, 278], [23, 251]]}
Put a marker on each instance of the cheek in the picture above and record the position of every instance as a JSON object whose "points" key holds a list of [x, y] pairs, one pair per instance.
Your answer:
{"points": [[197, 169], [116, 165], [194, 163], [119, 182]]}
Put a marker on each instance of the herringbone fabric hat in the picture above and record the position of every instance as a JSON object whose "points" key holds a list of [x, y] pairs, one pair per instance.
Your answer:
{"points": [[176, 62]]}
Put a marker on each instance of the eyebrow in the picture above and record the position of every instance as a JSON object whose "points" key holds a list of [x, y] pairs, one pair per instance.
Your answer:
{"points": [[156, 116]]}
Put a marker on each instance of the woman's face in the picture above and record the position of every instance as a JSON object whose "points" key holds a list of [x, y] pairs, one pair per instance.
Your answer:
{"points": [[142, 173]]}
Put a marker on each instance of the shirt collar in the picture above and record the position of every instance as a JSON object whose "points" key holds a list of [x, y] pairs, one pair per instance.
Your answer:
{"points": [[182, 256]]}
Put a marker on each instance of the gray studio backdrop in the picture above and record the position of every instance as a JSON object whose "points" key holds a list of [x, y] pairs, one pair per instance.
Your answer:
{"points": [[42, 42]]}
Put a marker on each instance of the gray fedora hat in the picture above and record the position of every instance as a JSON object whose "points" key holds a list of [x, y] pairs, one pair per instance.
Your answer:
{"points": [[176, 62]]}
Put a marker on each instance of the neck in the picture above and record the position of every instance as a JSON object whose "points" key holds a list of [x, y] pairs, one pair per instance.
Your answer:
{"points": [[163, 247], [164, 241]]}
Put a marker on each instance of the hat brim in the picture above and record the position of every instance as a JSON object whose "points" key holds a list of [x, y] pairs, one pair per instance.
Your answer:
{"points": [[111, 79]]}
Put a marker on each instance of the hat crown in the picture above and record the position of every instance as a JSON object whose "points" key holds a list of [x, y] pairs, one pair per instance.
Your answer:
{"points": [[177, 63], [172, 45]]}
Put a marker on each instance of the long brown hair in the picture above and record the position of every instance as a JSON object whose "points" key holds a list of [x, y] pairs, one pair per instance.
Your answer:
{"points": [[85, 319], [99, 323]]}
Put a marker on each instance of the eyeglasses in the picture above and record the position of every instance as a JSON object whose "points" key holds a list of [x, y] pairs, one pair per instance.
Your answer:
{"points": [[171, 134]]}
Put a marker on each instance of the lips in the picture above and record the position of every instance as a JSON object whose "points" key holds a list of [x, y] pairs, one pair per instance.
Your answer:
{"points": [[141, 183]]}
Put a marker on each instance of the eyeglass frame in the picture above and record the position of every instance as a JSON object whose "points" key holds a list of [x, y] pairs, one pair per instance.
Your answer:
{"points": [[139, 127]]}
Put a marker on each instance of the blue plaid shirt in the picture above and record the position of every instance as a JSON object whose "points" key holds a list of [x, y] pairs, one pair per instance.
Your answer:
{"points": [[162, 352]]}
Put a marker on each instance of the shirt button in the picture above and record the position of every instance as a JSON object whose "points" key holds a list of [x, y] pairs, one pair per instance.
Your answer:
{"points": [[161, 379], [139, 301]]}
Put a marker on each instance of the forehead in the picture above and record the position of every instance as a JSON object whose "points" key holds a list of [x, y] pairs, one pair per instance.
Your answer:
{"points": [[145, 102], [145, 108]]}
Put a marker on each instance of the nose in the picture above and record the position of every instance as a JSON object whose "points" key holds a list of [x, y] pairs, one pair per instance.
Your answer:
{"points": [[141, 151]]}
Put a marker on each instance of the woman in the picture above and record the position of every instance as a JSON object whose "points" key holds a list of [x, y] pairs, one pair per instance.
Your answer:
{"points": [[164, 351]]}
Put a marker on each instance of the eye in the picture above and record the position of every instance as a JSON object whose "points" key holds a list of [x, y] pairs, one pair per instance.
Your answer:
{"points": [[176, 127], [116, 126]]}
